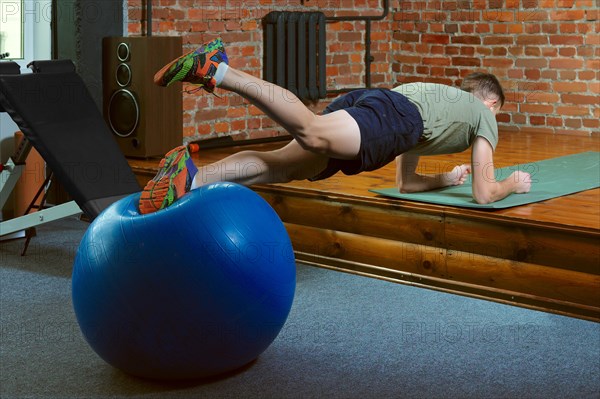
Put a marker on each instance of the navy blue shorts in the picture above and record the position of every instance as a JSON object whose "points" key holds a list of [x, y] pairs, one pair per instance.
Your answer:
{"points": [[389, 126]]}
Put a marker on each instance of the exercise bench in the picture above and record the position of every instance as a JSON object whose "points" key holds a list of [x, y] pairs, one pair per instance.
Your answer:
{"points": [[59, 118]]}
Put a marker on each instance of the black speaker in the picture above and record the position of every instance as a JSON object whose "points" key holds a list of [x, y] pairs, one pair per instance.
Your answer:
{"points": [[146, 119]]}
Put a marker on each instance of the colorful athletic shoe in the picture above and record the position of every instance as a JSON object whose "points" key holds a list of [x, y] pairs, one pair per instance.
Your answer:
{"points": [[172, 181], [197, 67]]}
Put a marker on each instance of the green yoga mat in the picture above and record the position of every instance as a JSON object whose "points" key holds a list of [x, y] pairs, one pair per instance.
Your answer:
{"points": [[550, 178]]}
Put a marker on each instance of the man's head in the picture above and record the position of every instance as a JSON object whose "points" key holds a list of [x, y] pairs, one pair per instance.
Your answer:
{"points": [[485, 87]]}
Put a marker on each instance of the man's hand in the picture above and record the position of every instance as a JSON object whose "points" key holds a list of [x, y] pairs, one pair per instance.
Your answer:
{"points": [[409, 181], [457, 176], [485, 187], [522, 181]]}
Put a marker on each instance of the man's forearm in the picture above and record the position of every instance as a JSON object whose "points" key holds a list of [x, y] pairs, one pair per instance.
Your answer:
{"points": [[418, 183], [494, 191]]}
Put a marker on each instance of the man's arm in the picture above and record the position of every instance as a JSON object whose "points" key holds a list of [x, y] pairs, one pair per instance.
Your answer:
{"points": [[408, 181], [485, 187]]}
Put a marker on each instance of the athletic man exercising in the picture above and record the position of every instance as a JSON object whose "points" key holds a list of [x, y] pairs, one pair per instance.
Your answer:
{"points": [[360, 131]]}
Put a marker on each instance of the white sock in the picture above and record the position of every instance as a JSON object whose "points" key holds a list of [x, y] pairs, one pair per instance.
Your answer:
{"points": [[194, 186], [221, 71]]}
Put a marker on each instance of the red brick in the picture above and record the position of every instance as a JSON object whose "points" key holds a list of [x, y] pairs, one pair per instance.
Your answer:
{"points": [[567, 51], [516, 51], [566, 63], [592, 15], [532, 16], [498, 16], [500, 29], [571, 110], [221, 127], [550, 121], [565, 3], [549, 74], [515, 28], [570, 15], [496, 40], [550, 28], [586, 75], [592, 39], [406, 37], [465, 61], [439, 39], [569, 87], [573, 123], [210, 114], [533, 74], [541, 97], [436, 61], [533, 51], [532, 28], [579, 99], [537, 120], [498, 62], [531, 39], [568, 28], [466, 40], [519, 119], [531, 63], [549, 51], [561, 40], [593, 64], [536, 108]]}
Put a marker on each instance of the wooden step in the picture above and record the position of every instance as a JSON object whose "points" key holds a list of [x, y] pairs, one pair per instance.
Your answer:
{"points": [[543, 256]]}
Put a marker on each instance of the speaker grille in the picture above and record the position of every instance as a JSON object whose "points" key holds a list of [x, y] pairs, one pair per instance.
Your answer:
{"points": [[123, 52], [123, 113], [123, 75]]}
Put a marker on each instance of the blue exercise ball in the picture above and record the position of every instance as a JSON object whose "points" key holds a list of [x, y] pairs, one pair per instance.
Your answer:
{"points": [[194, 290]]}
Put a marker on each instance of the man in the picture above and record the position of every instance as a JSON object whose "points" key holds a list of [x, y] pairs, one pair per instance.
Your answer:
{"points": [[360, 131]]}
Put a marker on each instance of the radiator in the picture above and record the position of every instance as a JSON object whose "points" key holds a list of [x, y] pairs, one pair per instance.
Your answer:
{"points": [[295, 52]]}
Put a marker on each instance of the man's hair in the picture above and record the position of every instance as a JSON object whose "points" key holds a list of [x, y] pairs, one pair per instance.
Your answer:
{"points": [[483, 86]]}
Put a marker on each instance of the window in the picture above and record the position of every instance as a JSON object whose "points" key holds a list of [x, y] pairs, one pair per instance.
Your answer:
{"points": [[11, 29]]}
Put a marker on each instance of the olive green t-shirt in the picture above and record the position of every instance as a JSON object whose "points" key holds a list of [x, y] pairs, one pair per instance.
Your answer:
{"points": [[452, 118]]}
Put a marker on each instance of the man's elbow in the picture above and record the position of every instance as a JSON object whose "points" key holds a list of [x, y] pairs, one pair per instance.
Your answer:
{"points": [[483, 195], [406, 189], [482, 199]]}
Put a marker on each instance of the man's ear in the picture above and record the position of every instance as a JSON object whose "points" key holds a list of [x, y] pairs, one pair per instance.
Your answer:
{"points": [[492, 103]]}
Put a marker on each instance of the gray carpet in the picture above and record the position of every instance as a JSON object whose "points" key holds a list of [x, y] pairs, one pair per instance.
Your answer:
{"points": [[346, 337]]}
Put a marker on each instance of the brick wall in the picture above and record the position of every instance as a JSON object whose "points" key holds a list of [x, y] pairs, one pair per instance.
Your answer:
{"points": [[545, 52]]}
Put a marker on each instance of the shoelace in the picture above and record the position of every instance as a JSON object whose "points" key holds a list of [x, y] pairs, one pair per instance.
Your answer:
{"points": [[197, 88]]}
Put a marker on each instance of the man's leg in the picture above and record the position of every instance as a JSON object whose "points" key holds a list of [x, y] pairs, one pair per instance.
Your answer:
{"points": [[335, 135], [291, 162]]}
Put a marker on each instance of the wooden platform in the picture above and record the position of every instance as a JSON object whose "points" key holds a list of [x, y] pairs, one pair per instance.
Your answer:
{"points": [[543, 256]]}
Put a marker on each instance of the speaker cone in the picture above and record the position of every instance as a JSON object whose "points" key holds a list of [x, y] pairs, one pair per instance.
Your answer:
{"points": [[123, 75], [123, 113], [123, 52]]}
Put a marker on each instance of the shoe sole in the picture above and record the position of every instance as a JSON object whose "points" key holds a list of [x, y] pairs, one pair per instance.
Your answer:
{"points": [[155, 192]]}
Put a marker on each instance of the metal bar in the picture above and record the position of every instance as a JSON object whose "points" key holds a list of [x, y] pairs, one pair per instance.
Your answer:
{"points": [[8, 179], [302, 85], [280, 39], [269, 70], [322, 60], [292, 54], [368, 57], [35, 219], [313, 92]]}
